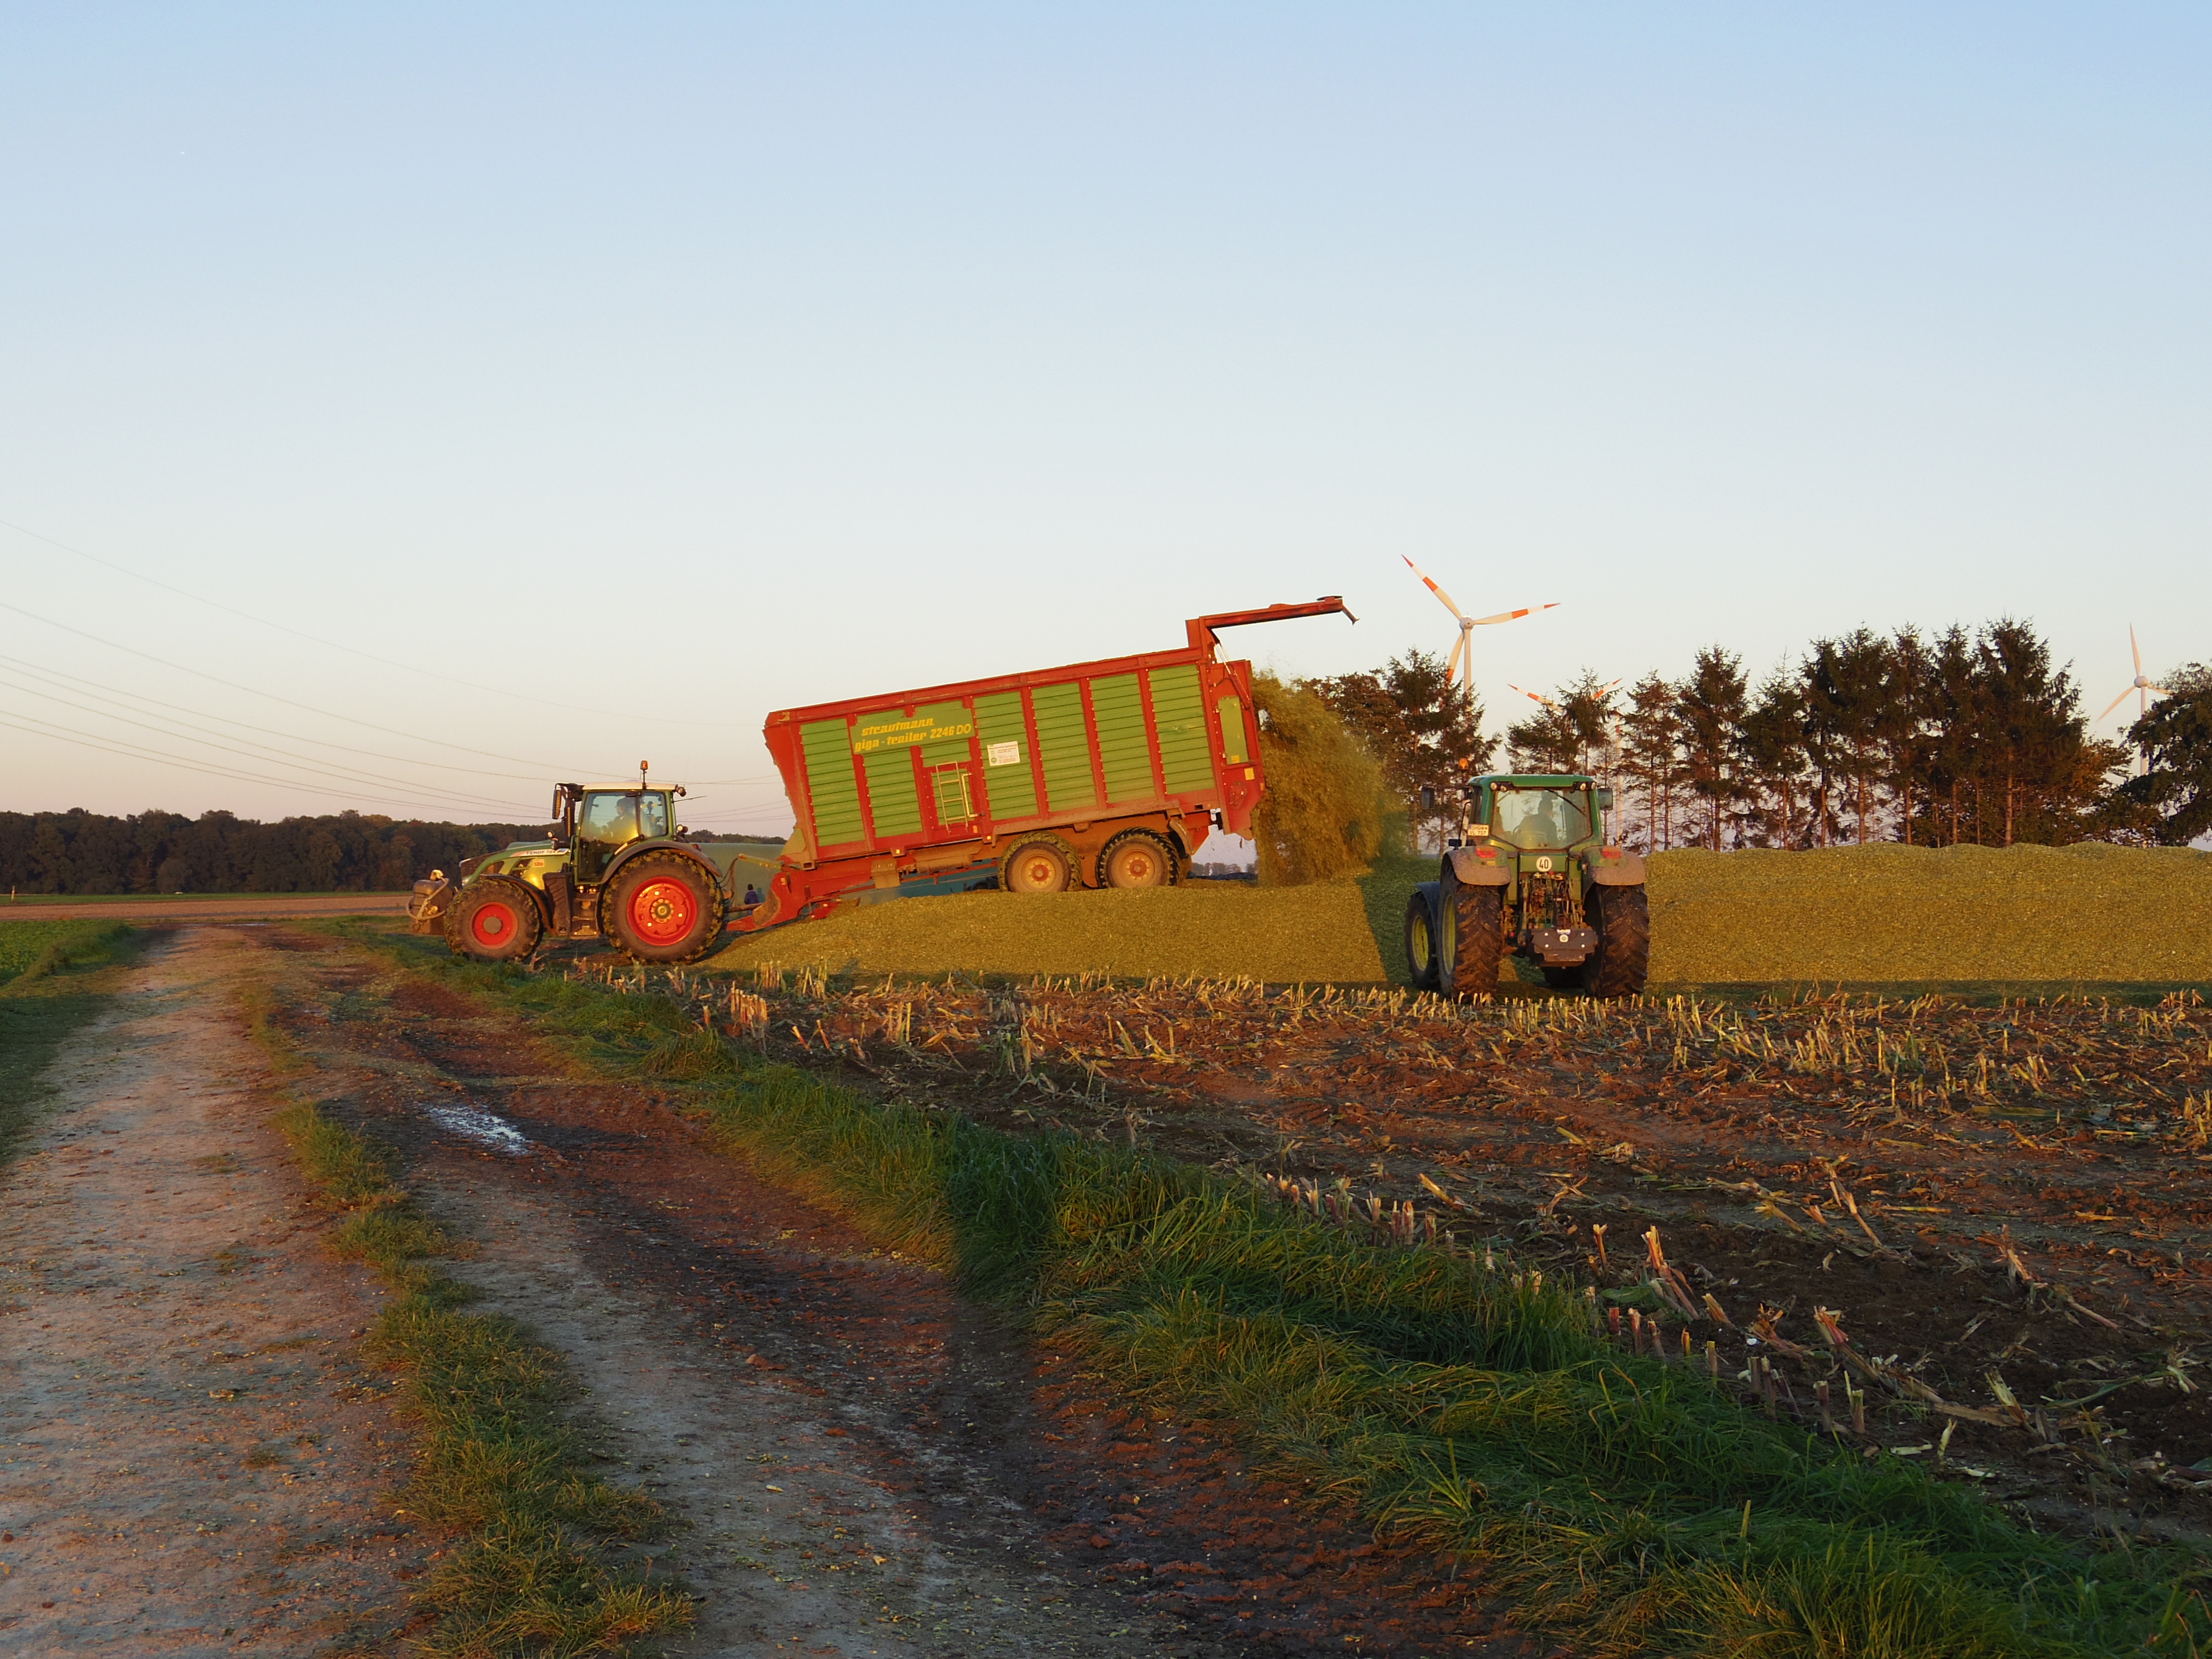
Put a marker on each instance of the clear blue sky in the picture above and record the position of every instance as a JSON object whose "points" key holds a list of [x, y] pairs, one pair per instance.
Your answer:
{"points": [[676, 364]]}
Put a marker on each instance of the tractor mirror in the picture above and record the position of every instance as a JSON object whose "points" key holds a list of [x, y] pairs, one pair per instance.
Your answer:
{"points": [[1605, 800]]}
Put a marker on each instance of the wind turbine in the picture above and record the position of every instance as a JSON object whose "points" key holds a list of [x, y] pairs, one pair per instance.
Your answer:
{"points": [[1462, 651], [1603, 696], [2141, 687]]}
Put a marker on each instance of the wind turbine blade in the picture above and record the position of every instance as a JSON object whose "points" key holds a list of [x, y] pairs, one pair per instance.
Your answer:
{"points": [[1610, 687], [1533, 696], [2135, 650], [1434, 589], [2158, 690], [1451, 668], [1509, 615], [2116, 703]]}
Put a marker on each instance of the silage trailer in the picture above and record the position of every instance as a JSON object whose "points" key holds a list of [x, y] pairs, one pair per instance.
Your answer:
{"points": [[1107, 773]]}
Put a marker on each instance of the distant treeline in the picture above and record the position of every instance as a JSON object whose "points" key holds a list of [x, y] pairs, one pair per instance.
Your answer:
{"points": [[1936, 738], [156, 852]]}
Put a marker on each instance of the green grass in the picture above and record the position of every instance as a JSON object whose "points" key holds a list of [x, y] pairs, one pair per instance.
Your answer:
{"points": [[2018, 920], [55, 978], [1621, 1503], [536, 1572], [1218, 929]]}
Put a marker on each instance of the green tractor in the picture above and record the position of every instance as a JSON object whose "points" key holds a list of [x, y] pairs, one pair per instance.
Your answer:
{"points": [[1531, 875], [616, 866]]}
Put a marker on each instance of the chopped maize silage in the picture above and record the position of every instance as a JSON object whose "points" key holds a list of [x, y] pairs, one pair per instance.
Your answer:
{"points": [[1218, 930], [1865, 916]]}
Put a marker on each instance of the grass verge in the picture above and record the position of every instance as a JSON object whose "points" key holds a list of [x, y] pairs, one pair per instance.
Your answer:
{"points": [[55, 978], [1615, 1499], [542, 1568]]}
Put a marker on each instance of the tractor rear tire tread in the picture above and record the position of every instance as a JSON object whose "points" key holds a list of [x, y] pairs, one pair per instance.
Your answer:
{"points": [[1475, 944], [1624, 942], [713, 908]]}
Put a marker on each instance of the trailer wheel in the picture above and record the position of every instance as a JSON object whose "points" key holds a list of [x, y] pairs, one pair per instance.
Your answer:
{"points": [[1043, 865], [1137, 858], [493, 920], [663, 906], [1622, 916], [1421, 936], [1472, 940]]}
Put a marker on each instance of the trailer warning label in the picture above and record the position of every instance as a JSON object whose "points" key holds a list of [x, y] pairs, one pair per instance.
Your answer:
{"points": [[896, 729]]}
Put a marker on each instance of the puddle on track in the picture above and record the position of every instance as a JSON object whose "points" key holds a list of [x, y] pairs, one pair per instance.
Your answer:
{"points": [[474, 1123]]}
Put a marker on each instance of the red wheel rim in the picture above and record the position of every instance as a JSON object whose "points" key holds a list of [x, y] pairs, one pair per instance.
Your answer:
{"points": [[663, 912], [1137, 867], [1041, 871], [494, 924]]}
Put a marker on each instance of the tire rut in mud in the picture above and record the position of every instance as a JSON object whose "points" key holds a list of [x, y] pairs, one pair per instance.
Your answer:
{"points": [[853, 1454]]}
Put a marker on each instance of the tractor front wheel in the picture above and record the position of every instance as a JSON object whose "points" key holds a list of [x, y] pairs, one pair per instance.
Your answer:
{"points": [[1473, 940], [1622, 916], [663, 907], [1421, 936], [493, 920]]}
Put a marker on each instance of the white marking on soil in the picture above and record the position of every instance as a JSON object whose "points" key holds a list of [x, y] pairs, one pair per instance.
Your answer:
{"points": [[487, 1128]]}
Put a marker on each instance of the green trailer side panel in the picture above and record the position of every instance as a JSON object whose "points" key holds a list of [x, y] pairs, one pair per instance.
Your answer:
{"points": [[944, 764], [1124, 754], [1179, 715], [1009, 786], [829, 783], [1064, 746], [951, 717], [1231, 710], [893, 801]]}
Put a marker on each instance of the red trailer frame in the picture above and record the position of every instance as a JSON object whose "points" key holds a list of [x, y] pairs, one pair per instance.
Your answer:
{"points": [[936, 830]]}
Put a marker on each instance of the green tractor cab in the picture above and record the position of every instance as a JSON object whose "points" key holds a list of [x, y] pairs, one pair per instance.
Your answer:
{"points": [[614, 865], [1531, 875]]}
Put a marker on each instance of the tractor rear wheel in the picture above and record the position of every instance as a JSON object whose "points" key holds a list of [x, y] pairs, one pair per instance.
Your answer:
{"points": [[1138, 859], [663, 906], [1043, 865], [1473, 941], [493, 919], [1421, 936], [1622, 916]]}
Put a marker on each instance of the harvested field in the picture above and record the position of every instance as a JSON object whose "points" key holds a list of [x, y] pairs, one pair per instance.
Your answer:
{"points": [[1996, 1204]]}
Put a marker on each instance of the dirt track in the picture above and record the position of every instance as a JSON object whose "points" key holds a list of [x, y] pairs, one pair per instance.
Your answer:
{"points": [[195, 1458], [856, 1462]]}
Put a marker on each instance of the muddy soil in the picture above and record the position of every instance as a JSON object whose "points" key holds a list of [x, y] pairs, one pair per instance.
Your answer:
{"points": [[855, 1461], [2013, 1198], [193, 1458]]}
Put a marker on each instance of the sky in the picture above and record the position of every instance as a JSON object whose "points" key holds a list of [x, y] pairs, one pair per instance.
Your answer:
{"points": [[426, 404]]}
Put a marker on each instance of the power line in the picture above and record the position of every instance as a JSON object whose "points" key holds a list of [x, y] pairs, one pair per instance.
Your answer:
{"points": [[389, 730], [125, 699], [348, 775], [333, 644], [132, 752]]}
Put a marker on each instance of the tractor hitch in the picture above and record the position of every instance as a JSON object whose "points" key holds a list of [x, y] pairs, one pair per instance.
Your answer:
{"points": [[1562, 947]]}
